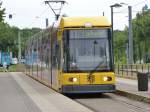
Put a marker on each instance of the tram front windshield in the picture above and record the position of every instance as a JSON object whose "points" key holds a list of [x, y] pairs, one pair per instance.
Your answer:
{"points": [[89, 49]]}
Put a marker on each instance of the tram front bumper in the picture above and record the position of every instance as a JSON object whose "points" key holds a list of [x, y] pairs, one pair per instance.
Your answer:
{"points": [[88, 88]]}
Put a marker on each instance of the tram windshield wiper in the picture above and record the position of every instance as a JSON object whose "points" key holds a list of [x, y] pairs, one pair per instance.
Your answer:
{"points": [[96, 68], [90, 76]]}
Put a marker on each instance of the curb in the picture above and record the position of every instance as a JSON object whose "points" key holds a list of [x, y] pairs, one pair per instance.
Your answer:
{"points": [[133, 96]]}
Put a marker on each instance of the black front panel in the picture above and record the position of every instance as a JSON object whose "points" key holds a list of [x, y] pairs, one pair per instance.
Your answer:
{"points": [[88, 88]]}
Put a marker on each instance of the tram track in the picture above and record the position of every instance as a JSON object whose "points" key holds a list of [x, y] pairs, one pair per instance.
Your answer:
{"points": [[109, 102]]}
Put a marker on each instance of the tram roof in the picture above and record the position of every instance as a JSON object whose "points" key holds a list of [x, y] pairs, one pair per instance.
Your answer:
{"points": [[69, 22]]}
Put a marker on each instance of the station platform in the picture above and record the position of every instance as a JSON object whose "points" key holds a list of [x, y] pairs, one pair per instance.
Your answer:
{"points": [[19, 93], [130, 88]]}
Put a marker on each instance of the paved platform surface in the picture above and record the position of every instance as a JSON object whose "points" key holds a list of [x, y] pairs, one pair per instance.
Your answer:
{"points": [[131, 86], [19, 93]]}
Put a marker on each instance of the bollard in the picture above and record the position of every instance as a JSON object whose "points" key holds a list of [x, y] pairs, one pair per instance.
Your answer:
{"points": [[142, 81]]}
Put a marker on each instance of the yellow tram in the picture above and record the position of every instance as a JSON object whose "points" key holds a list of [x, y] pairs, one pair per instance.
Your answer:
{"points": [[75, 57]]}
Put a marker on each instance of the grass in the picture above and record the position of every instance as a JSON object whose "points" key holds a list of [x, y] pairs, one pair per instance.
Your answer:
{"points": [[15, 68]]}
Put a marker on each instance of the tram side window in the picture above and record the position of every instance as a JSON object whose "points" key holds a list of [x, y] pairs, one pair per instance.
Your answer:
{"points": [[53, 55], [65, 53], [56, 55], [57, 47]]}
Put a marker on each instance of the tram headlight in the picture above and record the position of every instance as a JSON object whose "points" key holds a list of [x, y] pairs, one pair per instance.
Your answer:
{"points": [[107, 78], [73, 79]]}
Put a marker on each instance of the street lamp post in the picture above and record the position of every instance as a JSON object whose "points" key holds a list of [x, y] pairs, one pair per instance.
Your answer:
{"points": [[130, 36], [112, 6], [112, 23], [19, 41], [19, 46]]}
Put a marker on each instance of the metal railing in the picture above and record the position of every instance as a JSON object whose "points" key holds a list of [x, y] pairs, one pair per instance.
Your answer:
{"points": [[124, 70]]}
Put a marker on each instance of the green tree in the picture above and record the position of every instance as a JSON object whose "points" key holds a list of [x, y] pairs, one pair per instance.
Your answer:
{"points": [[2, 12], [9, 38], [141, 39], [141, 33], [120, 46]]}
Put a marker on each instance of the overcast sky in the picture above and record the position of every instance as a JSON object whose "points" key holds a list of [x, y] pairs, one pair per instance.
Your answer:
{"points": [[32, 13]]}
